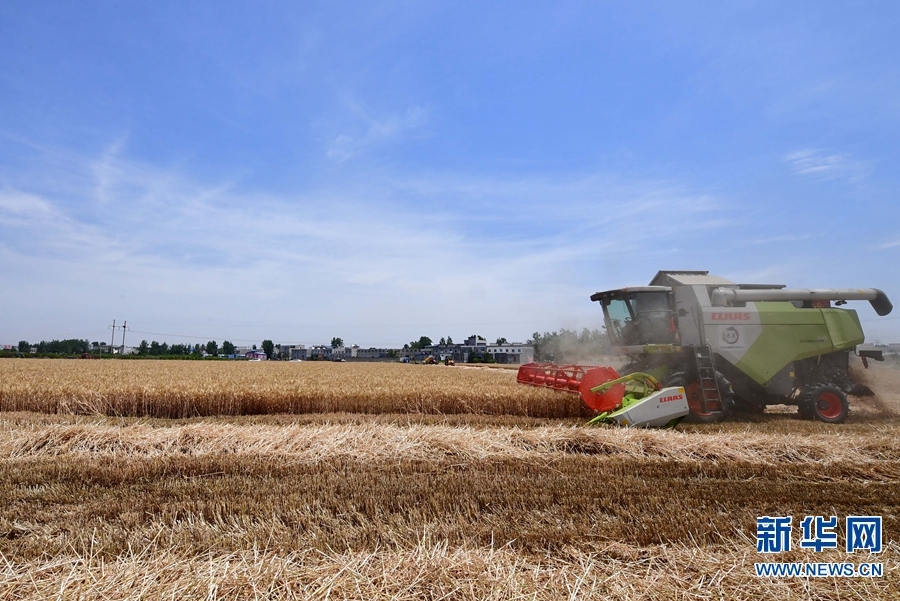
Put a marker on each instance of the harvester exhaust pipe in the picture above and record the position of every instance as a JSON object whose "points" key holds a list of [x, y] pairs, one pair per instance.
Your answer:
{"points": [[725, 297]]}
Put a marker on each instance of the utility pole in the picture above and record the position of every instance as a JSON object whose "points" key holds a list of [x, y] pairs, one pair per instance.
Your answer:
{"points": [[124, 327], [112, 338]]}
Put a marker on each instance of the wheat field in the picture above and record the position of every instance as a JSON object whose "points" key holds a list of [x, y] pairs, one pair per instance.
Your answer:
{"points": [[429, 483], [178, 389]]}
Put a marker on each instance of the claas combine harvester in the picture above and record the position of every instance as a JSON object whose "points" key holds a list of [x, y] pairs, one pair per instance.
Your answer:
{"points": [[700, 346]]}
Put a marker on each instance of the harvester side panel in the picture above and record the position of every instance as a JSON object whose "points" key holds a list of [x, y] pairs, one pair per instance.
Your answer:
{"points": [[843, 328], [781, 343], [762, 339]]}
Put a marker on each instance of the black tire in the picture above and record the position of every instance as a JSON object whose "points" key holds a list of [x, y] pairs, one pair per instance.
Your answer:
{"points": [[826, 403], [690, 388], [805, 410]]}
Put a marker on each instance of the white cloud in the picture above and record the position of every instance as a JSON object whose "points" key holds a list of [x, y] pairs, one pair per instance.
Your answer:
{"points": [[373, 259], [819, 164], [15, 204]]}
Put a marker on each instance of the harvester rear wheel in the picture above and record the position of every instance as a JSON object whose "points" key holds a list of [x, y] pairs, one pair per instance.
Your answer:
{"points": [[826, 403]]}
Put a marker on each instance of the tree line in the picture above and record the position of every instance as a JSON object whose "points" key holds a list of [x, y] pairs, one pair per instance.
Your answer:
{"points": [[78, 346], [69, 346], [562, 346], [211, 348]]}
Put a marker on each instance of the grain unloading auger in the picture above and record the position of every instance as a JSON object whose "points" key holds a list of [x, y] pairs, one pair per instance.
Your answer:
{"points": [[703, 346]]}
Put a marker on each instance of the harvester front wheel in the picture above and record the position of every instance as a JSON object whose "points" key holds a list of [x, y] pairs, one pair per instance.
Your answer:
{"points": [[826, 403], [695, 400]]}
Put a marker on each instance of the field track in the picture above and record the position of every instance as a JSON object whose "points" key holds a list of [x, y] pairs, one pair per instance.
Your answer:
{"points": [[416, 503]]}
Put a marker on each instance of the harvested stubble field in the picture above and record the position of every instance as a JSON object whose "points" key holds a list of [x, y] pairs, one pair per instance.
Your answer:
{"points": [[430, 482]]}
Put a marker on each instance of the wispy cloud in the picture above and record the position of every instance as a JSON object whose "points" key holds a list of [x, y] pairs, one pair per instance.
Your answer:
{"points": [[105, 166], [823, 165], [369, 131], [893, 244], [783, 238]]}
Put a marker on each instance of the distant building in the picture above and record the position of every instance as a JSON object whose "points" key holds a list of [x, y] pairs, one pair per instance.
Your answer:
{"points": [[375, 353], [475, 347], [287, 350], [511, 353], [475, 341], [342, 352], [320, 352]]}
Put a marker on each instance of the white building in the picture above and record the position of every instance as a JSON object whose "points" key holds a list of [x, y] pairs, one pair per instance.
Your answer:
{"points": [[511, 353]]}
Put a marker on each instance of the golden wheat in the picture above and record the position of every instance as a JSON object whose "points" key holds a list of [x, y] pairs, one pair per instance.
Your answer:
{"points": [[176, 389]]}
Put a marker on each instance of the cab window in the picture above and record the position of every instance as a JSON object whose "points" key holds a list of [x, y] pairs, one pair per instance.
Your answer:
{"points": [[655, 317], [622, 328]]}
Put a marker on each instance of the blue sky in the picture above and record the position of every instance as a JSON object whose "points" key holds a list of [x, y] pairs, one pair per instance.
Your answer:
{"points": [[380, 171]]}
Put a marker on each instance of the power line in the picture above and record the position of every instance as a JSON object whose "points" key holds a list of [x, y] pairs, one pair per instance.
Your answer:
{"points": [[192, 336]]}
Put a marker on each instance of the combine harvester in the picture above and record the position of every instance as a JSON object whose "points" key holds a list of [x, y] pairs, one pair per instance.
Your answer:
{"points": [[702, 346]]}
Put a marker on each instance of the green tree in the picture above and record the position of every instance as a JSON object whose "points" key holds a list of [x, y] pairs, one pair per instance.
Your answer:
{"points": [[449, 341], [69, 346], [502, 341], [24, 347], [269, 347], [421, 343], [197, 350], [337, 342], [227, 348], [212, 348], [442, 341], [144, 348], [481, 358]]}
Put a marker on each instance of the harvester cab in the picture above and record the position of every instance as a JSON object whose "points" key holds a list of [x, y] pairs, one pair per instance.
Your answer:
{"points": [[639, 316], [725, 346]]}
